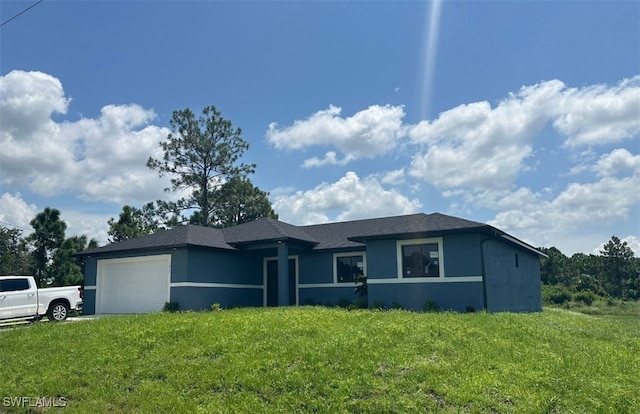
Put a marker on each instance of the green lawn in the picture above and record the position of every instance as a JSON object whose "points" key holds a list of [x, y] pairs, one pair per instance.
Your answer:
{"points": [[315, 359]]}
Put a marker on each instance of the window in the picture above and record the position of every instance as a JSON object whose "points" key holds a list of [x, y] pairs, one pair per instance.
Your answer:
{"points": [[11, 285], [517, 261], [348, 267], [420, 260]]}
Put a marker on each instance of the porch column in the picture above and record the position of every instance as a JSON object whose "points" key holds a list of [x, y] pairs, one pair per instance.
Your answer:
{"points": [[283, 274]]}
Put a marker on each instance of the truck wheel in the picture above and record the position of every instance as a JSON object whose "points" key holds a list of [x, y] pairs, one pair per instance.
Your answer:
{"points": [[58, 311]]}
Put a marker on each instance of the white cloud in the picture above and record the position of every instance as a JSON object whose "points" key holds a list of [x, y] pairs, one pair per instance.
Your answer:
{"points": [[478, 146], [98, 159], [368, 133], [330, 158], [579, 208], [599, 114], [15, 212], [350, 198], [619, 161], [394, 177]]}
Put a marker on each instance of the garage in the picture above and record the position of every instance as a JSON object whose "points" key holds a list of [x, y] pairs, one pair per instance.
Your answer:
{"points": [[133, 285]]}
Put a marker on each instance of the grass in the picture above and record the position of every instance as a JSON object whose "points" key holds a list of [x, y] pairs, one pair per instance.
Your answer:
{"points": [[315, 359]]}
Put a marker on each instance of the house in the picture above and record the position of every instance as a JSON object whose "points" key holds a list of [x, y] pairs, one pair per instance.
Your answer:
{"points": [[410, 261]]}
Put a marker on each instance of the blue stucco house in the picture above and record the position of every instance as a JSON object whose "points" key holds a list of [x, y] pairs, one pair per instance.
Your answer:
{"points": [[409, 261]]}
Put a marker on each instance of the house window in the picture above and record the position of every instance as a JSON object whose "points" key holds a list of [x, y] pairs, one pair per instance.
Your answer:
{"points": [[348, 267], [420, 258], [517, 261]]}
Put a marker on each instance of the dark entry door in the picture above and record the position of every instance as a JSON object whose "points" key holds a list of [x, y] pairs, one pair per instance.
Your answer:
{"points": [[272, 282]]}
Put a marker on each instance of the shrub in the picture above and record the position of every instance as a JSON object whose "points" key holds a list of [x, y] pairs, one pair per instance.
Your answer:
{"points": [[343, 303], [555, 294], [216, 307], [361, 289], [430, 306], [361, 303], [377, 304], [171, 307], [469, 309], [585, 297]]}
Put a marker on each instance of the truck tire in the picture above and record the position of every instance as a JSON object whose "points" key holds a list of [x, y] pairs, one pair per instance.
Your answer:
{"points": [[58, 311]]}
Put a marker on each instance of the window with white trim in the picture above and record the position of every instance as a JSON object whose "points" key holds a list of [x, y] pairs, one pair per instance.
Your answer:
{"points": [[347, 267], [420, 258]]}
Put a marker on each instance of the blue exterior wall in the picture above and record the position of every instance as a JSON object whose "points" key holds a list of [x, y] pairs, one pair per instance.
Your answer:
{"points": [[510, 288], [381, 259], [201, 298], [327, 295], [462, 255], [216, 266], [315, 268], [448, 296], [462, 258]]}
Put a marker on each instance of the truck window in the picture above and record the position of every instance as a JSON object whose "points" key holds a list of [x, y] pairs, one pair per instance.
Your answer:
{"points": [[11, 285]]}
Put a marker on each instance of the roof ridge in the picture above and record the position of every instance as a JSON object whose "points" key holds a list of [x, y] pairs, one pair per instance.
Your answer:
{"points": [[366, 219]]}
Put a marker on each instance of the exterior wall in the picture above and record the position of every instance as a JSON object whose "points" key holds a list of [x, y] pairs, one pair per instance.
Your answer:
{"points": [[510, 288], [461, 258], [459, 296], [316, 284], [315, 268], [201, 277], [214, 266], [327, 295], [201, 298], [381, 259], [462, 255]]}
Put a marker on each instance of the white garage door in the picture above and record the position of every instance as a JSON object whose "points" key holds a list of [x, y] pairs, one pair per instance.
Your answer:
{"points": [[133, 285]]}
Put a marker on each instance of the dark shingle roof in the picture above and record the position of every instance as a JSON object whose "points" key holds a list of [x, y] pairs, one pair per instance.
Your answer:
{"points": [[416, 224], [176, 237], [341, 235], [265, 229], [353, 233]]}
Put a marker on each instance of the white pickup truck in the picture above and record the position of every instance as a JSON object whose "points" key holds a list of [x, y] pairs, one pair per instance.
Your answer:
{"points": [[20, 299]]}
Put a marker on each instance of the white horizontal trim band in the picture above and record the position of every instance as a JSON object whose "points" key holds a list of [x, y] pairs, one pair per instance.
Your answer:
{"points": [[425, 280], [327, 285], [215, 285], [90, 287]]}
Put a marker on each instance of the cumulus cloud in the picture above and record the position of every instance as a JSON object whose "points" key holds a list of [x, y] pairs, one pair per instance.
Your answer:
{"points": [[479, 146], [98, 159], [350, 197], [15, 212], [476, 145], [394, 177], [599, 114], [619, 161], [578, 206], [366, 134]]}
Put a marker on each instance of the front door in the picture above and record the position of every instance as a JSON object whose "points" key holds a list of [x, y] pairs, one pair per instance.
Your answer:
{"points": [[272, 282]]}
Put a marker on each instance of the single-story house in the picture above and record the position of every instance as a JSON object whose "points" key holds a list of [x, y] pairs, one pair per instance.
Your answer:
{"points": [[410, 261]]}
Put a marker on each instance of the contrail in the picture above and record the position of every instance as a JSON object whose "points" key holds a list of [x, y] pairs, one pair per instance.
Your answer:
{"points": [[432, 30]]}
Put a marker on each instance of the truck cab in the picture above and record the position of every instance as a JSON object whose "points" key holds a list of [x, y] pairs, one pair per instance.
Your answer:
{"points": [[20, 298]]}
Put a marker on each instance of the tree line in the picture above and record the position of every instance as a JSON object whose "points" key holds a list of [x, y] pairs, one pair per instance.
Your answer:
{"points": [[614, 272], [202, 156]]}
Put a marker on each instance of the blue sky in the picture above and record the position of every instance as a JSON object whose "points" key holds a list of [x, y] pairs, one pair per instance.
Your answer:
{"points": [[522, 114]]}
